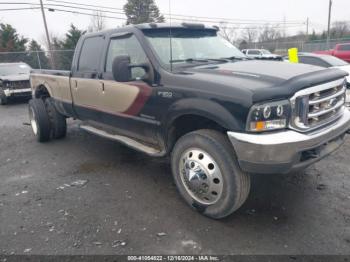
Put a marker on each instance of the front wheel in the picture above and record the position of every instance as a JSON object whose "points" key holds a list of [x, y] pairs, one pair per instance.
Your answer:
{"points": [[207, 174]]}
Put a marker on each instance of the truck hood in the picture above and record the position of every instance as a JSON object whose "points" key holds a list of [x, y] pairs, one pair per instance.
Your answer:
{"points": [[21, 77], [265, 80], [345, 68]]}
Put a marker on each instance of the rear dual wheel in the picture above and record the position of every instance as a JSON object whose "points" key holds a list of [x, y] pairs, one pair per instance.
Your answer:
{"points": [[45, 120], [39, 120], [207, 174]]}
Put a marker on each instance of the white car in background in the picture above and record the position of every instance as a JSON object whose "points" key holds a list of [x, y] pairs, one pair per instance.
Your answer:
{"points": [[261, 54], [14, 81]]}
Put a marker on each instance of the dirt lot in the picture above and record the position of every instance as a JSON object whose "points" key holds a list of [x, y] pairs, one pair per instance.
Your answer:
{"points": [[88, 195]]}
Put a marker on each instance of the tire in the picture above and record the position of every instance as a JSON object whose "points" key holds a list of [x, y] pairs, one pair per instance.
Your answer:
{"points": [[58, 121], [207, 174], [39, 120], [3, 98]]}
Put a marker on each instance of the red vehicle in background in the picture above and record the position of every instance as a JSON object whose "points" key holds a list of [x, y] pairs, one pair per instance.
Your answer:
{"points": [[341, 51]]}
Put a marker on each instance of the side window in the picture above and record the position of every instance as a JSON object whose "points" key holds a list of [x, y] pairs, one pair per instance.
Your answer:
{"points": [[344, 48], [254, 52], [313, 61], [303, 60], [90, 55], [126, 45]]}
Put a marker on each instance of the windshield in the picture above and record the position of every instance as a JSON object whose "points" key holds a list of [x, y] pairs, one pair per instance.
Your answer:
{"points": [[265, 52], [190, 45], [334, 61], [14, 69]]}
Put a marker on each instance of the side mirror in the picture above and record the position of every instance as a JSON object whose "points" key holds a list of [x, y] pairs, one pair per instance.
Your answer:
{"points": [[121, 68]]}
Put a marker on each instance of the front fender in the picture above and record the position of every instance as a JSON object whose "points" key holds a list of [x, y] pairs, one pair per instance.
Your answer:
{"points": [[204, 108]]}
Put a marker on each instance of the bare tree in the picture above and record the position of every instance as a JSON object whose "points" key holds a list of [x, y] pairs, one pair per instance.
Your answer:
{"points": [[250, 34], [228, 33], [340, 29], [269, 33], [97, 22]]}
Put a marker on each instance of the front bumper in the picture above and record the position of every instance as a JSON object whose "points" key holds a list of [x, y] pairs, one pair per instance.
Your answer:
{"points": [[287, 151], [18, 92]]}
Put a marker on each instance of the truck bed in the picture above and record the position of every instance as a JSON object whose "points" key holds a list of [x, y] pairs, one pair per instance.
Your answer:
{"points": [[57, 82], [50, 72]]}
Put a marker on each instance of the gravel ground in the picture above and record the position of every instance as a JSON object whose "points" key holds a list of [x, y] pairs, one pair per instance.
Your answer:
{"points": [[88, 195]]}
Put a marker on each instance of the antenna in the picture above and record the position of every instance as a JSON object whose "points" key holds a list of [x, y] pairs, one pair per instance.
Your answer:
{"points": [[170, 39]]}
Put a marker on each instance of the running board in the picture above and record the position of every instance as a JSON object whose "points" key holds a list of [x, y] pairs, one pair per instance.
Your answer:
{"points": [[124, 140]]}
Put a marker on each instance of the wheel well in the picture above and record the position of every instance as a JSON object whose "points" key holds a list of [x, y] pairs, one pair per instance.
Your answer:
{"points": [[42, 92], [189, 123]]}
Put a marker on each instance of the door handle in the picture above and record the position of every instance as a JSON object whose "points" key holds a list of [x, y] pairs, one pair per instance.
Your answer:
{"points": [[75, 83], [103, 86]]}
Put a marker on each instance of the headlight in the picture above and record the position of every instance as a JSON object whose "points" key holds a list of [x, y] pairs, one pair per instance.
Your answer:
{"points": [[347, 98], [269, 116]]}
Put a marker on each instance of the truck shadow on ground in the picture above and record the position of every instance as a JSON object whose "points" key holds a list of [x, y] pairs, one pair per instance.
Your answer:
{"points": [[271, 196]]}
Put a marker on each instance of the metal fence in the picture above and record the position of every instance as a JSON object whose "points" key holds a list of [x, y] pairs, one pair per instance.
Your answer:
{"points": [[281, 46], [278, 46], [54, 59], [322, 44]]}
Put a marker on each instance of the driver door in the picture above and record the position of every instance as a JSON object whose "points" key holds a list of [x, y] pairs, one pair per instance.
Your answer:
{"points": [[123, 102]]}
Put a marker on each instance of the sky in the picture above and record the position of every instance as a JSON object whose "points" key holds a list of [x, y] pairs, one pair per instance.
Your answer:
{"points": [[30, 23]]}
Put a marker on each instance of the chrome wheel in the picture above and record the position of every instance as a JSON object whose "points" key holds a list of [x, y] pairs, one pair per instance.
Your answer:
{"points": [[201, 176], [33, 121]]}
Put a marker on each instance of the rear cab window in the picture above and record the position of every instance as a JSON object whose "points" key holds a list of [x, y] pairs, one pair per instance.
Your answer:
{"points": [[90, 54]]}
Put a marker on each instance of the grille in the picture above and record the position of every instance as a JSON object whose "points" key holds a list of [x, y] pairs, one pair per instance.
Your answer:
{"points": [[318, 105], [18, 84]]}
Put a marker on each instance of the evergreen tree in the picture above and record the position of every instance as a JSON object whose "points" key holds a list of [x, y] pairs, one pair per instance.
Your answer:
{"points": [[36, 57], [10, 41], [313, 36], [142, 11], [63, 59]]}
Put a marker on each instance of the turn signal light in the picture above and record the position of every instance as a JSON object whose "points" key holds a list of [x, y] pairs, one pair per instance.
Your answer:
{"points": [[268, 125]]}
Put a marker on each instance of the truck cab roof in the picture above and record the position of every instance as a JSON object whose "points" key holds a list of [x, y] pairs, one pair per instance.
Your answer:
{"points": [[150, 26]]}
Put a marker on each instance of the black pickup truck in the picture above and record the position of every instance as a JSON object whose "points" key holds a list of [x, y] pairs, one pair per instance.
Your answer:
{"points": [[183, 91]]}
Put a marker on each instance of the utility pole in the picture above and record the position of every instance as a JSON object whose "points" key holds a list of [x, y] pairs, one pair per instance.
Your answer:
{"points": [[47, 35], [307, 27], [329, 23]]}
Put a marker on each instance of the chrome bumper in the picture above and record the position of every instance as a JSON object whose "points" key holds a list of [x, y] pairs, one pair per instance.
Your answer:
{"points": [[286, 151], [11, 92]]}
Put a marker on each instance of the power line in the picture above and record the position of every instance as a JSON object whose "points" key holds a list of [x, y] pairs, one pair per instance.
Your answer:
{"points": [[67, 6], [81, 13], [180, 15], [18, 9], [104, 7], [174, 18], [255, 25], [121, 18]]}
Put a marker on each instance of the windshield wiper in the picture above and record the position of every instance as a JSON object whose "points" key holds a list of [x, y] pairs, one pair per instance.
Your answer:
{"points": [[224, 60], [188, 60], [236, 58]]}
